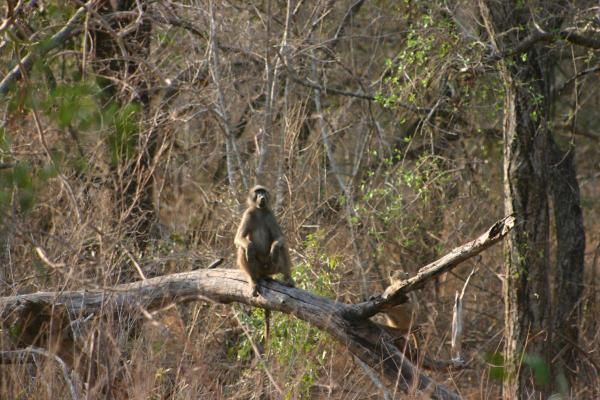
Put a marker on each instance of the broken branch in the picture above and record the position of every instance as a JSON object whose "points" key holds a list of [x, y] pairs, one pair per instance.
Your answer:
{"points": [[396, 293]]}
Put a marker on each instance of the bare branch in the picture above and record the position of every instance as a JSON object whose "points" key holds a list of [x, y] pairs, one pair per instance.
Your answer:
{"points": [[457, 323], [576, 77], [46, 45], [354, 8], [263, 139], [326, 90], [371, 374], [234, 162], [570, 35], [396, 293], [258, 354], [7, 165], [579, 38], [11, 14], [344, 186]]}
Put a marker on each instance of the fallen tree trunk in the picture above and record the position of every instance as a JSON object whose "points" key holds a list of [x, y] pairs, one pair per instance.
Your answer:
{"points": [[347, 323], [365, 339]]}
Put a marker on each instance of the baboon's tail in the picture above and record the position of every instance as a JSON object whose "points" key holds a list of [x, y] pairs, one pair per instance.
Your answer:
{"points": [[267, 326]]}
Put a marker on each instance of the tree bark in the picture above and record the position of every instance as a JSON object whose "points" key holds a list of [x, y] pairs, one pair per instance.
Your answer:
{"points": [[526, 285], [570, 237]]}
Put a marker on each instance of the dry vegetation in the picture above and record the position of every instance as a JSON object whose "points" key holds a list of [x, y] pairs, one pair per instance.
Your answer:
{"points": [[126, 150]]}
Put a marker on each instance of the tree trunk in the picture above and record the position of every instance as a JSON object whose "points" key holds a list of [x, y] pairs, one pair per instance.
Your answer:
{"points": [[526, 75], [570, 236], [526, 250]]}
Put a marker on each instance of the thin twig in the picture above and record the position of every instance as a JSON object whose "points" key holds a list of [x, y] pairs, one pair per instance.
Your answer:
{"points": [[232, 155], [284, 51], [570, 35], [136, 265]]}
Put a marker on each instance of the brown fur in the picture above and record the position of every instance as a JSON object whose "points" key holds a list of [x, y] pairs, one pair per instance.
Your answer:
{"points": [[401, 316], [261, 248]]}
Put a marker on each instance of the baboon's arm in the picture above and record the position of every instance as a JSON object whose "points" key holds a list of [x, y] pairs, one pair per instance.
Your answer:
{"points": [[241, 237]]}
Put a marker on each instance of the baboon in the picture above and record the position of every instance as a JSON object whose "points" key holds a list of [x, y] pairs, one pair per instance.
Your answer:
{"points": [[400, 317], [400, 324], [261, 248]]}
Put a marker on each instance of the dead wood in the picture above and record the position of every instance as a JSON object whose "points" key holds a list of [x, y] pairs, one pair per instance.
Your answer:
{"points": [[347, 323], [364, 338], [396, 293]]}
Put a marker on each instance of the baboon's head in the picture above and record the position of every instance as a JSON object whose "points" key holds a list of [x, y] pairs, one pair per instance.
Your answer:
{"points": [[258, 197], [398, 276]]}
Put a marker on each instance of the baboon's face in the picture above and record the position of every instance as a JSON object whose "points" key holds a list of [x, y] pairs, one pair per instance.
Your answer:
{"points": [[398, 275], [261, 198]]}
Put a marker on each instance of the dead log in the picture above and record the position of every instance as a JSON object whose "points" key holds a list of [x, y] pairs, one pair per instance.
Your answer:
{"points": [[347, 323], [363, 338]]}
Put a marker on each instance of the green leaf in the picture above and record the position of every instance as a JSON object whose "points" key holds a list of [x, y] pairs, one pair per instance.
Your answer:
{"points": [[496, 364], [21, 176], [26, 199], [123, 140], [541, 370], [15, 331], [4, 141]]}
